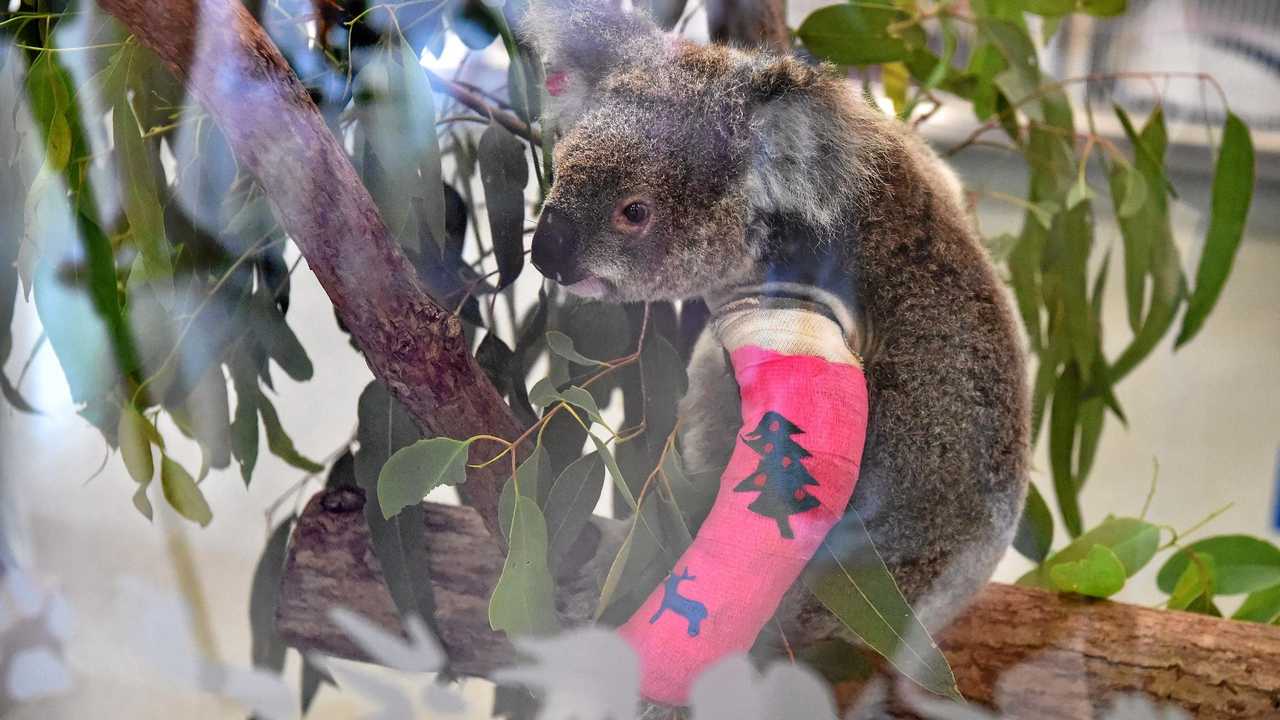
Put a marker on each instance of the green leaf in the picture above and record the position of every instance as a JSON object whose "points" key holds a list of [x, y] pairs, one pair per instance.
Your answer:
{"points": [[414, 471], [1035, 528], [1261, 606], [277, 338], [141, 502], [860, 34], [1150, 231], [504, 172], [1022, 82], [657, 537], [183, 494], [140, 196], [399, 543], [523, 603], [1244, 564], [1079, 192], [244, 426], [205, 417], [849, 577], [1099, 574], [1194, 588], [1129, 197], [266, 648], [575, 395], [572, 499], [619, 482], [423, 140], [135, 445], [1103, 8], [1132, 540], [279, 442], [1233, 180], [1062, 434], [528, 479], [562, 345], [614, 577], [543, 393]]}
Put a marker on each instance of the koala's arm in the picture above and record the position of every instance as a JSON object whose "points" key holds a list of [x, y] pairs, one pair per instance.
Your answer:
{"points": [[788, 482]]}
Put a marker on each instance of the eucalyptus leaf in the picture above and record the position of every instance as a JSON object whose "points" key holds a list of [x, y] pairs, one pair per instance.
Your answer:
{"points": [[849, 577], [1244, 564], [399, 543], [244, 425], [1133, 541], [141, 198], [1233, 181], [267, 649], [414, 471], [581, 398], [528, 479], [279, 442], [523, 602], [277, 338], [1195, 587], [1035, 528], [570, 503], [1151, 232], [860, 34], [135, 445], [562, 345], [1099, 574], [619, 482], [504, 172], [1062, 434], [182, 493], [1261, 606]]}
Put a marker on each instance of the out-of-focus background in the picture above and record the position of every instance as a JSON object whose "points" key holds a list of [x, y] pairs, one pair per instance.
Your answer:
{"points": [[1205, 420]]}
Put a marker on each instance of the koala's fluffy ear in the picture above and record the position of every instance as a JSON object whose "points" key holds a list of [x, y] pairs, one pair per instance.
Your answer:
{"points": [[586, 40]]}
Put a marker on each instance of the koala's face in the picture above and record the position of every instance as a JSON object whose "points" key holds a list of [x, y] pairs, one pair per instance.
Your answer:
{"points": [[648, 203]]}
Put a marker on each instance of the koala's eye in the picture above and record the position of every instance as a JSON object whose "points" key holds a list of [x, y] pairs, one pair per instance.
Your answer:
{"points": [[636, 213]]}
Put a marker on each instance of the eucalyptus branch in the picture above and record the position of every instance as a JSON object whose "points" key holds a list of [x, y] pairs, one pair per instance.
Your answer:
{"points": [[1048, 88], [476, 102]]}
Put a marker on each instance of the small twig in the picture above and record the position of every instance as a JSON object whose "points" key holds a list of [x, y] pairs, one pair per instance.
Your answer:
{"points": [[474, 101]]}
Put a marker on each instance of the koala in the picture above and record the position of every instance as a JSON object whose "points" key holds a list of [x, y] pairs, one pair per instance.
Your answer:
{"points": [[687, 171]]}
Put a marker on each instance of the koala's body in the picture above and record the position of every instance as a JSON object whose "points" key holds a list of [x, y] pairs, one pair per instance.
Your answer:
{"points": [[689, 171]]}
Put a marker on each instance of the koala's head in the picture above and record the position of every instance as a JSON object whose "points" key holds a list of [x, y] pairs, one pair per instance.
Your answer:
{"points": [[650, 198]]}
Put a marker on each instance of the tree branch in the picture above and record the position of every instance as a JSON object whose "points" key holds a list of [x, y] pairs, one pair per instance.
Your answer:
{"points": [[750, 23], [411, 343], [475, 101], [1042, 655]]}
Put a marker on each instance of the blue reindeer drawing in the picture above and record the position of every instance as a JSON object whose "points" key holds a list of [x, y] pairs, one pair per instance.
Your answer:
{"points": [[691, 610]]}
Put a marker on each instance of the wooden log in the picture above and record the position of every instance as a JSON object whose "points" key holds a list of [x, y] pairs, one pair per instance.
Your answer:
{"points": [[1037, 654], [412, 344]]}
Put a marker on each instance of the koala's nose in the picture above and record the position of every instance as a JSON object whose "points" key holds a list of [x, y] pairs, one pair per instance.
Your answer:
{"points": [[555, 247]]}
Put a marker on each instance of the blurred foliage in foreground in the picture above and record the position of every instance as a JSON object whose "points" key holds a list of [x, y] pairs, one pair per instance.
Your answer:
{"points": [[160, 277]]}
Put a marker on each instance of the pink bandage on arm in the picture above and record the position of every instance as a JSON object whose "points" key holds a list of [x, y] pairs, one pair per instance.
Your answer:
{"points": [[792, 472]]}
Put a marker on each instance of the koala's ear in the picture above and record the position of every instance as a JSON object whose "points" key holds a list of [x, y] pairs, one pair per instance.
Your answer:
{"points": [[581, 41]]}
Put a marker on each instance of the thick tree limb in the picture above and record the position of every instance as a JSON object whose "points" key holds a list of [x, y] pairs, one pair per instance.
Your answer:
{"points": [[1041, 655], [750, 23], [411, 343]]}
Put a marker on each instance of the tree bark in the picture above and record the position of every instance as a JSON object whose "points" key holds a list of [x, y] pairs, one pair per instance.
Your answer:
{"points": [[275, 131], [750, 23], [1037, 654]]}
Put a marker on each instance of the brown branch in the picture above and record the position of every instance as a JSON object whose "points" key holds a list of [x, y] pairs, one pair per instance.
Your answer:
{"points": [[476, 101], [1042, 655], [275, 131], [750, 23]]}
